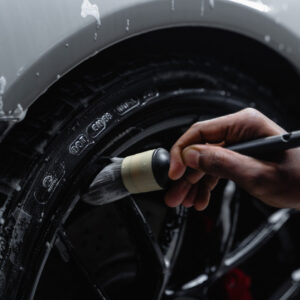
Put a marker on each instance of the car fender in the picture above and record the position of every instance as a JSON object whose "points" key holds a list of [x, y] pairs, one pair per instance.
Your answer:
{"points": [[40, 40]]}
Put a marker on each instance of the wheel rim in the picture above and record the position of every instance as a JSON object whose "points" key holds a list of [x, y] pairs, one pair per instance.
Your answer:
{"points": [[156, 251]]}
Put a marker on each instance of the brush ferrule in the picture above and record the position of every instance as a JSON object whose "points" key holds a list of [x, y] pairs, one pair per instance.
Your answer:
{"points": [[137, 172]]}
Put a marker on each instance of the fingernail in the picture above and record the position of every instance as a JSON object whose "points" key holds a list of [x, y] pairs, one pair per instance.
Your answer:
{"points": [[191, 158]]}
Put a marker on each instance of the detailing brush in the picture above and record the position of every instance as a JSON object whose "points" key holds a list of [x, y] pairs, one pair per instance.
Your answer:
{"points": [[148, 171]]}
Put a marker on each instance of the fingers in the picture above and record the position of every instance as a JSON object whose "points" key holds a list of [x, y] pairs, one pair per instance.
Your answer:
{"points": [[246, 171], [212, 162], [197, 195], [205, 188], [184, 189], [243, 125], [216, 162], [191, 196], [193, 176], [177, 193]]}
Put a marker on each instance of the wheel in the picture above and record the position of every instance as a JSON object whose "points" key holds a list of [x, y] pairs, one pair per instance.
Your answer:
{"points": [[54, 246]]}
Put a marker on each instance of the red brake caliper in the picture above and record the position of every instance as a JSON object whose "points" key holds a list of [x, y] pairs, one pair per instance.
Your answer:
{"points": [[237, 285]]}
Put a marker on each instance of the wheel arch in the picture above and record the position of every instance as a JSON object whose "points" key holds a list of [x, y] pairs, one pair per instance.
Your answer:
{"points": [[81, 29]]}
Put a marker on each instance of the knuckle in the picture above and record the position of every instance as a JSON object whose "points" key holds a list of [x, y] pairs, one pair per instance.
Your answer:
{"points": [[196, 129], [195, 125], [257, 120], [251, 111], [252, 114], [254, 118]]}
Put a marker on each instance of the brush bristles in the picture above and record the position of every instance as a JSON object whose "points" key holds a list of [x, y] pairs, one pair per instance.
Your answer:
{"points": [[107, 187]]}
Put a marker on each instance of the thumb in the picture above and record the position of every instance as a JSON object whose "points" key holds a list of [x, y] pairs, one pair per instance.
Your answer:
{"points": [[224, 163]]}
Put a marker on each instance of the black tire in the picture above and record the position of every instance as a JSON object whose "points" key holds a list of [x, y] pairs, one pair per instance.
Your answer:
{"points": [[45, 158]]}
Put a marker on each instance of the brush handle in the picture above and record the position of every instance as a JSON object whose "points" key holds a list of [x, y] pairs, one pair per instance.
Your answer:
{"points": [[268, 145]]}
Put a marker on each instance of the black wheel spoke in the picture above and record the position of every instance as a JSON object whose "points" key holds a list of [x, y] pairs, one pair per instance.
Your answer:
{"points": [[290, 289], [156, 265], [249, 246], [173, 235], [68, 254], [228, 218], [257, 239]]}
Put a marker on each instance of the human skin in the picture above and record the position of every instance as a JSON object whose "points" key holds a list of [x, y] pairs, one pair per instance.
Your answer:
{"points": [[275, 182]]}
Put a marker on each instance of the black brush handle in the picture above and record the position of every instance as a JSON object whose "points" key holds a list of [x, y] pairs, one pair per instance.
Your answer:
{"points": [[268, 145]]}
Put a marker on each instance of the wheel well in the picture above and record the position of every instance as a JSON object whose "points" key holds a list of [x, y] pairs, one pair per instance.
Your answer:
{"points": [[267, 67], [230, 48], [247, 55]]}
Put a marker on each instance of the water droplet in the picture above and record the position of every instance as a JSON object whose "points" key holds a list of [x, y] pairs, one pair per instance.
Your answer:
{"points": [[2, 221], [2, 84], [58, 76], [267, 39], [37, 74], [67, 45], [95, 36], [41, 217], [212, 4], [172, 5], [202, 7], [20, 71], [89, 9], [19, 109], [127, 24]]}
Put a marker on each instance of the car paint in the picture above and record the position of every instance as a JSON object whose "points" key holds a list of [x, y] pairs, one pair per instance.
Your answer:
{"points": [[40, 40]]}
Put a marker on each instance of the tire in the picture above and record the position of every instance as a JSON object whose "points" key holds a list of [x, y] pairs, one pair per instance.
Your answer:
{"points": [[52, 156]]}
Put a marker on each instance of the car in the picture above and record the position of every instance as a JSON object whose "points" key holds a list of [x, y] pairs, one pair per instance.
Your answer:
{"points": [[86, 80]]}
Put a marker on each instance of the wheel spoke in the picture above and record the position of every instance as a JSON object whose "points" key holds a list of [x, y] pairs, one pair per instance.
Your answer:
{"points": [[173, 235], [289, 289], [69, 255], [249, 246], [228, 217], [257, 239], [154, 262], [228, 221]]}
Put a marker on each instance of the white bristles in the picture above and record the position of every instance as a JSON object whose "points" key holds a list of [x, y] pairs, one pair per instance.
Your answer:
{"points": [[107, 187]]}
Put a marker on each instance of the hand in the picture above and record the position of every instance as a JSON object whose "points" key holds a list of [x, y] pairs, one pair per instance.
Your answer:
{"points": [[274, 182]]}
